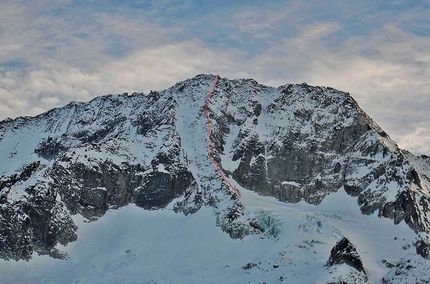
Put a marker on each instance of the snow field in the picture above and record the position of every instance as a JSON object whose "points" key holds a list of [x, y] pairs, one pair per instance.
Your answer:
{"points": [[137, 246]]}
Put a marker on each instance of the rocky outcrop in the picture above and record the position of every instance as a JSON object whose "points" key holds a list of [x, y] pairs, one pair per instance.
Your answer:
{"points": [[344, 252], [36, 223], [344, 264], [90, 189]]}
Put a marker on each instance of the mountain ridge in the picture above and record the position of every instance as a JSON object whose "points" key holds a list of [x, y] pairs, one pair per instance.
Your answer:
{"points": [[297, 143]]}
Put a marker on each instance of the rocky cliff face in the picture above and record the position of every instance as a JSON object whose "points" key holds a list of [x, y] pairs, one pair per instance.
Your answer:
{"points": [[296, 143], [345, 253]]}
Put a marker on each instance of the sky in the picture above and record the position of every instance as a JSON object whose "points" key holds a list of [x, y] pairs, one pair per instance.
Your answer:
{"points": [[53, 52]]}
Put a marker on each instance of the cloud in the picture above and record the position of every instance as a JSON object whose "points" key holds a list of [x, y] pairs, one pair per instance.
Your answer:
{"points": [[418, 141], [50, 59], [55, 83], [259, 24]]}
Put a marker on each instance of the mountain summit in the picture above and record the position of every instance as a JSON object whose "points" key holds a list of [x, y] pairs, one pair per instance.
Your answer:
{"points": [[317, 176]]}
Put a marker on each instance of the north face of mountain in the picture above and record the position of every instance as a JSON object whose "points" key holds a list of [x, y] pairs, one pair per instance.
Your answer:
{"points": [[295, 143]]}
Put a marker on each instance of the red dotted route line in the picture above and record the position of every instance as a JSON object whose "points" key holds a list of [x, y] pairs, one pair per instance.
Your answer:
{"points": [[211, 149]]}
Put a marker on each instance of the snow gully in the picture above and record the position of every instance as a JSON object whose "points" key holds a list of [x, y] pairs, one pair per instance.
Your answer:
{"points": [[211, 150]]}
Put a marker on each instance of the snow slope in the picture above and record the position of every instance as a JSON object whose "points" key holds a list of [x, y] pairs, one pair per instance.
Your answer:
{"points": [[132, 245]]}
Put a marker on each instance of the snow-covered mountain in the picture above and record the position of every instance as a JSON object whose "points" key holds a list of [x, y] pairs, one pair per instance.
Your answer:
{"points": [[122, 187]]}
